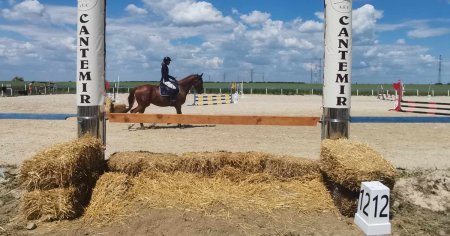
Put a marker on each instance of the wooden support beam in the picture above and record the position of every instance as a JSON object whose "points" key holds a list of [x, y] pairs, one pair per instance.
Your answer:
{"points": [[213, 119]]}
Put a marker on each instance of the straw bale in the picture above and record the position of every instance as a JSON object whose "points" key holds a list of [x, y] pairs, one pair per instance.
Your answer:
{"points": [[345, 200], [54, 204], [109, 105], [216, 164], [239, 176], [208, 182], [290, 167], [253, 162], [202, 163], [64, 165], [349, 163], [133, 163], [110, 197], [119, 108], [209, 163], [190, 191]]}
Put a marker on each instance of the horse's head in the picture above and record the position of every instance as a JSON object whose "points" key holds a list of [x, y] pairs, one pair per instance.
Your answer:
{"points": [[198, 84]]}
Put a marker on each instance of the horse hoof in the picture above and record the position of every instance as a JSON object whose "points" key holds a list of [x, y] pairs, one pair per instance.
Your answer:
{"points": [[130, 126]]}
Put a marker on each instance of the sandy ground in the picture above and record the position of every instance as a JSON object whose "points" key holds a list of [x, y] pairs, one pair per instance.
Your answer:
{"points": [[421, 206], [405, 145]]}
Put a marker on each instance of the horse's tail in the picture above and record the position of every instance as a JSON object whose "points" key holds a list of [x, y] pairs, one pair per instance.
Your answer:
{"points": [[130, 100]]}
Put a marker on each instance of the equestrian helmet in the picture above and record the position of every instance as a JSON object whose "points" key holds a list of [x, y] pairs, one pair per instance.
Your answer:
{"points": [[167, 59]]}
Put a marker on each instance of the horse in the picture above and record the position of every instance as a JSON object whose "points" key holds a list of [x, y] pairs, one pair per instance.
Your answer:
{"points": [[148, 94]]}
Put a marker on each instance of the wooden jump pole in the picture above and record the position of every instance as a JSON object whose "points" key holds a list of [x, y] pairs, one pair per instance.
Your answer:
{"points": [[213, 119]]}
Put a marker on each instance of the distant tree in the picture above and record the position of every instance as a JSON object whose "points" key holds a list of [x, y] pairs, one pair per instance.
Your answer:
{"points": [[17, 79]]}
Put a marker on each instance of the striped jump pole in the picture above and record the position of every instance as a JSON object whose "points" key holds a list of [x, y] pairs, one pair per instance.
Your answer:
{"points": [[204, 100], [432, 108]]}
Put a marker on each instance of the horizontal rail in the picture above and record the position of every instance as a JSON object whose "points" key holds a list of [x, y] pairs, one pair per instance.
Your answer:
{"points": [[399, 119], [426, 112], [419, 102], [213, 119], [427, 107], [35, 116]]}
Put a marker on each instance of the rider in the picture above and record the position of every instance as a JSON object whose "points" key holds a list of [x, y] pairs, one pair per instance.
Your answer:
{"points": [[167, 79]]}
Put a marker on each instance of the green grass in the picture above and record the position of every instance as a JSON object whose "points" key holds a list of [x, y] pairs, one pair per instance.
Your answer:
{"points": [[260, 87]]}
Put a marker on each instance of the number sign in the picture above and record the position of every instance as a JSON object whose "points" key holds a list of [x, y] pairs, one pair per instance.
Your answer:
{"points": [[372, 215]]}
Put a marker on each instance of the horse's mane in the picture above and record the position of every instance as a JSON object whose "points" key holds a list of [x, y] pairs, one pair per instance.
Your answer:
{"points": [[187, 77]]}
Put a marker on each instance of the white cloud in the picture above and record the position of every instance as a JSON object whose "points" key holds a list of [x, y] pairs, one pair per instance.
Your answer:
{"points": [[297, 43], [428, 32], [311, 26], [200, 38], [14, 52], [256, 17], [62, 14], [400, 41], [188, 12], [320, 15], [364, 23], [428, 58], [134, 10], [29, 10], [215, 62]]}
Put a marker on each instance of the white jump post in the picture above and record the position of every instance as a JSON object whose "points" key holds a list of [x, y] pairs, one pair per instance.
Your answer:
{"points": [[337, 69], [91, 67]]}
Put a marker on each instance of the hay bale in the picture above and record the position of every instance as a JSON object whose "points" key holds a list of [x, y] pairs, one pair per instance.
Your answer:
{"points": [[109, 105], [211, 182], [202, 193], [290, 167], [253, 162], [76, 163], [202, 163], [112, 107], [54, 204], [349, 163], [133, 163], [119, 108], [210, 163], [242, 177], [110, 197], [345, 200]]}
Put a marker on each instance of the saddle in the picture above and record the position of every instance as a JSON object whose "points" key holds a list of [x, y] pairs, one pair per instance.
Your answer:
{"points": [[168, 92]]}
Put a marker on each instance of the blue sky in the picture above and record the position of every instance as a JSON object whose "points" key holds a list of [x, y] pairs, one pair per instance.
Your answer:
{"points": [[227, 39]]}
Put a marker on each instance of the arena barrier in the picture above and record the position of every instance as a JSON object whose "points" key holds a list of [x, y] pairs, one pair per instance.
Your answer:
{"points": [[399, 119], [430, 108], [35, 116], [213, 119], [204, 100]]}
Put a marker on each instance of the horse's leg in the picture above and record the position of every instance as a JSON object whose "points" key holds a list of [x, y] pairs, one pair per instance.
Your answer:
{"points": [[140, 109], [132, 111], [178, 108]]}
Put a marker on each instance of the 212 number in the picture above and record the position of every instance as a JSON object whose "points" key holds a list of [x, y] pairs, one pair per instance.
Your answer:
{"points": [[375, 199]]}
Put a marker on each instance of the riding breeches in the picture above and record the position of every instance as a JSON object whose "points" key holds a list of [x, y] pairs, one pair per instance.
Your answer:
{"points": [[170, 84]]}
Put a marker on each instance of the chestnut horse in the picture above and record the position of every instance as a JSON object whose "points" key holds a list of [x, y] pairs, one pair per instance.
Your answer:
{"points": [[150, 94]]}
